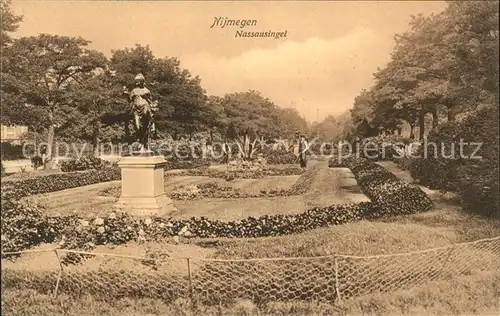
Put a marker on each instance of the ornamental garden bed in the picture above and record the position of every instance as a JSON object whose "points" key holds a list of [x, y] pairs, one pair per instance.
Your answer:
{"points": [[80, 232], [272, 186]]}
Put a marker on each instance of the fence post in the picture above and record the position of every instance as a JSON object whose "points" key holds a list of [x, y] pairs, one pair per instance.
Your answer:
{"points": [[59, 274], [337, 283], [190, 283]]}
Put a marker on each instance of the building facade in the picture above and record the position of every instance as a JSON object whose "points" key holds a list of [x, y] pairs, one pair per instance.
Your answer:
{"points": [[12, 134]]}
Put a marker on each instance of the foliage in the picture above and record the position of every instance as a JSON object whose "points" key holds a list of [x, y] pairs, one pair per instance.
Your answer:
{"points": [[445, 61], [11, 152], [17, 189], [383, 147], [39, 70], [9, 23], [281, 156], [445, 166], [83, 163], [23, 225]]}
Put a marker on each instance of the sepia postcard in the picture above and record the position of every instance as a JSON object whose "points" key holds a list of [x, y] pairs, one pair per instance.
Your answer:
{"points": [[249, 158]]}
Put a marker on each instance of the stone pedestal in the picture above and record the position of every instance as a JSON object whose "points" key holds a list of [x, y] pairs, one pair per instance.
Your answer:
{"points": [[143, 191]]}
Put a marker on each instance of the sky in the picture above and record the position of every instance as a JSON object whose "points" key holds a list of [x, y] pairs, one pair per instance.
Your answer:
{"points": [[329, 54]]}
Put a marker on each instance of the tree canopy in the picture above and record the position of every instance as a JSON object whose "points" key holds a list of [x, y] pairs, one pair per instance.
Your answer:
{"points": [[445, 63]]}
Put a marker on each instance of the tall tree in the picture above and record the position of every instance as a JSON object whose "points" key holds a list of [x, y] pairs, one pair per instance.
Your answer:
{"points": [[182, 101], [253, 117], [93, 100], [39, 71], [9, 23]]}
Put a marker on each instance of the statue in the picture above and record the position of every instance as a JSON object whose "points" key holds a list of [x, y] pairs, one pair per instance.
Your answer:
{"points": [[143, 108]]}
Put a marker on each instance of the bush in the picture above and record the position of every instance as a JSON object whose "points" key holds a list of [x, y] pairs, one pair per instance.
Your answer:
{"points": [[83, 163], [382, 147], [23, 225], [475, 180], [174, 164], [11, 152], [281, 156]]}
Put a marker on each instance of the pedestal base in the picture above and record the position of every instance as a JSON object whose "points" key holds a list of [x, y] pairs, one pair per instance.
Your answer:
{"points": [[143, 191], [145, 206]]}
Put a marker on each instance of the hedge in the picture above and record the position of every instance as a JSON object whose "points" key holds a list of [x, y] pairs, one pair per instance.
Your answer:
{"points": [[383, 147], [83, 163], [17, 189]]}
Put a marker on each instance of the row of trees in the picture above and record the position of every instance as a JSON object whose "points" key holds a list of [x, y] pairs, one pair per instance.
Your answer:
{"points": [[59, 87], [444, 65]]}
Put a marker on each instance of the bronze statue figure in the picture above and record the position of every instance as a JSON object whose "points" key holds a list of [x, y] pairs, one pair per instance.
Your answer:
{"points": [[143, 108]]}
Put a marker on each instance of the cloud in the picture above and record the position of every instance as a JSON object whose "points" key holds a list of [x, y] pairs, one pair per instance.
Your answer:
{"points": [[316, 73]]}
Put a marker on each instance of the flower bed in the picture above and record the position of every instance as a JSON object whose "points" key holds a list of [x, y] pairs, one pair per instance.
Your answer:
{"points": [[23, 225], [85, 233], [216, 190], [242, 174], [391, 195]]}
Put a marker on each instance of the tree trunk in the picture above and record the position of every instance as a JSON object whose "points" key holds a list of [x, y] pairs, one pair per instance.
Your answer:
{"points": [[95, 139], [421, 123], [412, 130], [435, 118], [50, 135]]}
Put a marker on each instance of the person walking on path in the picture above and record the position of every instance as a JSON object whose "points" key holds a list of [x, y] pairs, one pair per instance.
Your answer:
{"points": [[303, 147]]}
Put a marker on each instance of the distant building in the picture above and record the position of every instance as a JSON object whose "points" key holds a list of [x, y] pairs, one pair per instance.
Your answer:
{"points": [[12, 134]]}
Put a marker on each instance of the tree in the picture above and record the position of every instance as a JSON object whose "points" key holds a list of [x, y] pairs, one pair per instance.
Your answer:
{"points": [[126, 64], [9, 23], [185, 109], [472, 39], [251, 116], [38, 73], [182, 101], [291, 121], [93, 100]]}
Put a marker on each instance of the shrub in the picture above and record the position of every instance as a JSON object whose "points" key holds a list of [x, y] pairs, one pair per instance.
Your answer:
{"points": [[281, 156], [475, 180], [186, 164], [23, 225], [382, 147], [83, 163], [10, 151]]}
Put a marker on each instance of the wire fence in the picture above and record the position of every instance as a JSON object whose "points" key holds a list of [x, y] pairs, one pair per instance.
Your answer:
{"points": [[215, 281]]}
